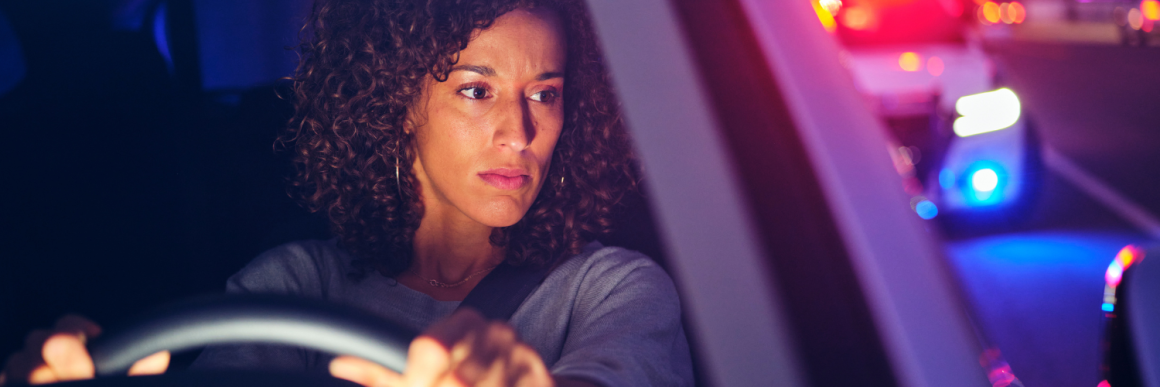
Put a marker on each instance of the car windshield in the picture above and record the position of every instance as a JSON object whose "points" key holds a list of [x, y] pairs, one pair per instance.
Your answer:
{"points": [[144, 165]]}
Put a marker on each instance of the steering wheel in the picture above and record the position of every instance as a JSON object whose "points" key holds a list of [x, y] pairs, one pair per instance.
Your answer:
{"points": [[240, 319]]}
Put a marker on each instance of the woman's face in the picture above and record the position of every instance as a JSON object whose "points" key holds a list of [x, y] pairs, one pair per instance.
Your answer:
{"points": [[485, 137]]}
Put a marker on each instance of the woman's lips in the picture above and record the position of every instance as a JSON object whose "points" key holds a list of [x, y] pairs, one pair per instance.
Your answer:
{"points": [[505, 179]]}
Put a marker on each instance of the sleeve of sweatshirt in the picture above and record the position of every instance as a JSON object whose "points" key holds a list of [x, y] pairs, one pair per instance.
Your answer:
{"points": [[626, 326]]}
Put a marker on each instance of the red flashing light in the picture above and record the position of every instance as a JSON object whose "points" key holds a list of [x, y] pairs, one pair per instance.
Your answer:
{"points": [[1017, 13], [935, 66], [910, 61], [952, 7], [1128, 256], [1005, 13], [1150, 9], [859, 18], [1125, 258], [990, 12]]}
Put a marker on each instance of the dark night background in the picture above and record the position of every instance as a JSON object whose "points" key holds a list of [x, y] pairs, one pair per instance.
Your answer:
{"points": [[139, 158]]}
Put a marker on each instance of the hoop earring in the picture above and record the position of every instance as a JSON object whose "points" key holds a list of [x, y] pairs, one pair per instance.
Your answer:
{"points": [[398, 185]]}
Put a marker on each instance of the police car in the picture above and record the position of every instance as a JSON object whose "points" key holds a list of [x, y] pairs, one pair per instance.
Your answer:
{"points": [[958, 129]]}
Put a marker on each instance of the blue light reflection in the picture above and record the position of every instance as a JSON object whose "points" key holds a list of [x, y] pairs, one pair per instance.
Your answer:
{"points": [[946, 178], [161, 34], [926, 209]]}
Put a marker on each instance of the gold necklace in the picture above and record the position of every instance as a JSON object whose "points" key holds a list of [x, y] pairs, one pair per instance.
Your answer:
{"points": [[447, 285]]}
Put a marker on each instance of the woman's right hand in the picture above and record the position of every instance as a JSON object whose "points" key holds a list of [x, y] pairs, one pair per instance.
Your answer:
{"points": [[59, 355]]}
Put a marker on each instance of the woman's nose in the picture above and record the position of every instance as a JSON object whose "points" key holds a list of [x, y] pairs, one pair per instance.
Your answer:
{"points": [[516, 130]]}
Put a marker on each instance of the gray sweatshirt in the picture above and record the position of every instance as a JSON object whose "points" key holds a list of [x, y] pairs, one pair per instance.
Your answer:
{"points": [[607, 315]]}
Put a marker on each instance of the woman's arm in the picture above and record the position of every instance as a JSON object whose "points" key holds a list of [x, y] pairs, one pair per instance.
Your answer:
{"points": [[464, 349]]}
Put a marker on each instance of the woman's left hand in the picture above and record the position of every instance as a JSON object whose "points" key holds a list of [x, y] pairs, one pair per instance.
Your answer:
{"points": [[463, 350]]}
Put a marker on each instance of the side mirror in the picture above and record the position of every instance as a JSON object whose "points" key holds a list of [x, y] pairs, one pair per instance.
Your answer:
{"points": [[1131, 343]]}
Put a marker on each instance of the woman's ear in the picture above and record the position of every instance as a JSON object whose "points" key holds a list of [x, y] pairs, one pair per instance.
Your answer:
{"points": [[413, 120], [408, 125], [417, 109]]}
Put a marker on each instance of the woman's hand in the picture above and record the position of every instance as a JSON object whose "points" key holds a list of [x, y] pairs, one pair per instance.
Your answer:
{"points": [[462, 350], [59, 355]]}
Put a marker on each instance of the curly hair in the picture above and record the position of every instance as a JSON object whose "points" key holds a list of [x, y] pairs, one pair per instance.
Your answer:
{"points": [[360, 73]]}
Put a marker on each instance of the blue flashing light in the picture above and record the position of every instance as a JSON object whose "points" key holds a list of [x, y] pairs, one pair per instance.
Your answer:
{"points": [[926, 209], [986, 180], [946, 178], [1108, 307]]}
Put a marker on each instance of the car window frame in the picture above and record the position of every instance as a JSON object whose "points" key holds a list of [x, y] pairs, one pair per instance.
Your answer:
{"points": [[743, 334], [701, 212]]}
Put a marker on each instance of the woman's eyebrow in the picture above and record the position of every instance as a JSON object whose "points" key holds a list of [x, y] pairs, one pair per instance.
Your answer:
{"points": [[481, 70], [490, 72], [550, 75]]}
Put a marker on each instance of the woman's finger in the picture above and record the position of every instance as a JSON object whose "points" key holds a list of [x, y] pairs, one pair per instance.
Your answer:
{"points": [[428, 361], [484, 354], [467, 350], [154, 364], [429, 358], [530, 370], [451, 381], [42, 375], [363, 372], [66, 356]]}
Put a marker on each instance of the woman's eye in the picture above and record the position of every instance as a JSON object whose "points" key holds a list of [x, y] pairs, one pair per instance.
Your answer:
{"points": [[474, 92], [544, 96]]}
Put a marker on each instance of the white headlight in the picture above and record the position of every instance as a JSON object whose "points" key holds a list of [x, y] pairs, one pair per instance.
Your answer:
{"points": [[986, 112]]}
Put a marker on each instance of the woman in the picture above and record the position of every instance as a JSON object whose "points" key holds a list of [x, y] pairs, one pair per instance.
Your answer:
{"points": [[442, 138]]}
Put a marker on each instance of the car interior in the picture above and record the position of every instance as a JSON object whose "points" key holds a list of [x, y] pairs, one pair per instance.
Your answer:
{"points": [[762, 192]]}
